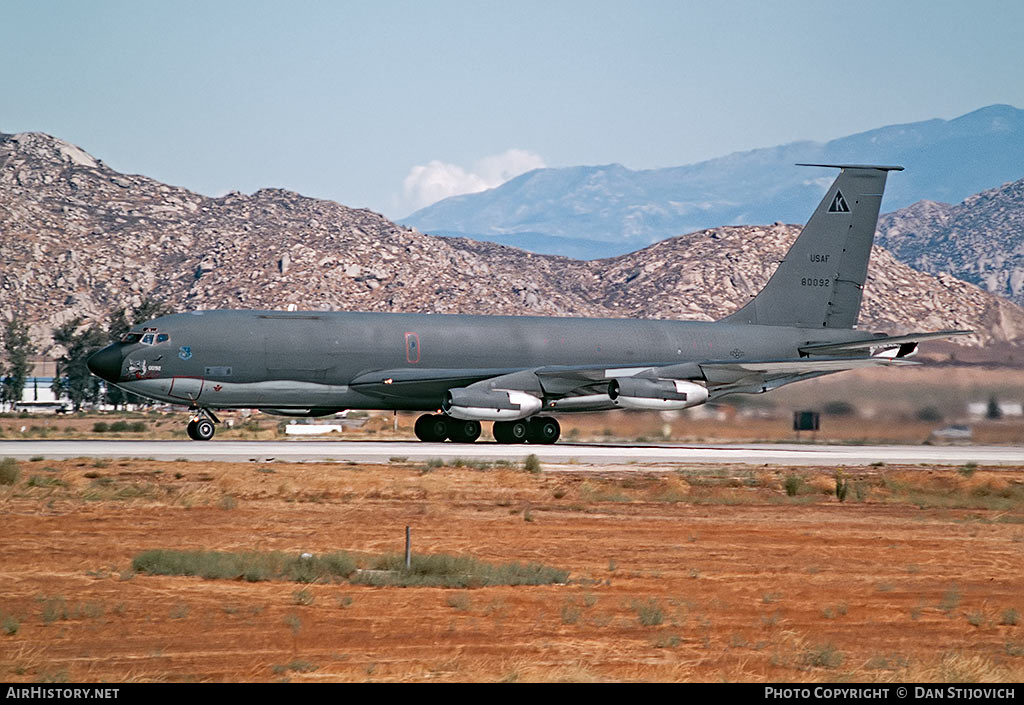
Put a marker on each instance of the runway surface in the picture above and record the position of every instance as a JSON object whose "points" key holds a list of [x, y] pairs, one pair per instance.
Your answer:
{"points": [[560, 453]]}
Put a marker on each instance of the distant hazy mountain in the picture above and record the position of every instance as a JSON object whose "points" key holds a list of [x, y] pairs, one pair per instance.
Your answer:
{"points": [[980, 240], [599, 211]]}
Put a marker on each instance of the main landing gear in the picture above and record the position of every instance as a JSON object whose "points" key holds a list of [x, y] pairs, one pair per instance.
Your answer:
{"points": [[201, 425], [434, 428]]}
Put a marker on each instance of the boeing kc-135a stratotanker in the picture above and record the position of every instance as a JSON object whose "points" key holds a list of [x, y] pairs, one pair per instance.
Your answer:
{"points": [[517, 370]]}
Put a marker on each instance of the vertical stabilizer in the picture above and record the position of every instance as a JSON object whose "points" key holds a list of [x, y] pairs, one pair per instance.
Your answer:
{"points": [[821, 280]]}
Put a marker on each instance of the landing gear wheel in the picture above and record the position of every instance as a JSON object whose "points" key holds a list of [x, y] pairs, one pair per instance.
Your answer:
{"points": [[431, 428], [510, 431], [191, 430], [203, 430], [460, 431], [543, 429]]}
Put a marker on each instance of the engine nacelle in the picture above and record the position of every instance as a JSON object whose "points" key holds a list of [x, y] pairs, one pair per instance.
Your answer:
{"points": [[656, 394], [490, 405]]}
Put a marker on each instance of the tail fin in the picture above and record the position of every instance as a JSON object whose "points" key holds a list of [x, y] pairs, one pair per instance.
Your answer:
{"points": [[821, 280]]}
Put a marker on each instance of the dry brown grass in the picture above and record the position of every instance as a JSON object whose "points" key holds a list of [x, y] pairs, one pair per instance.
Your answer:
{"points": [[747, 583]]}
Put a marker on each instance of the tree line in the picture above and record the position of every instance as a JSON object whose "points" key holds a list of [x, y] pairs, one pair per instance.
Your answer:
{"points": [[73, 379]]}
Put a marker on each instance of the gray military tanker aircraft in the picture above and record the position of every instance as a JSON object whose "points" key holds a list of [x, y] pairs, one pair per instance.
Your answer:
{"points": [[515, 370]]}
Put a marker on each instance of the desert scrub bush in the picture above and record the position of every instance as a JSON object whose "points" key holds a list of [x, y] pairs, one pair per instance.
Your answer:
{"points": [[54, 608], [950, 600], [443, 570], [458, 601], [9, 471], [298, 666], [648, 612], [793, 485], [842, 487], [822, 656], [44, 481], [834, 611], [531, 464], [9, 625], [860, 490], [1010, 618], [570, 612], [253, 567], [432, 464]]}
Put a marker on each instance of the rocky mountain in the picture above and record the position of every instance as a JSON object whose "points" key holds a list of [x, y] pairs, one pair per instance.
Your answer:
{"points": [[600, 211], [980, 240], [79, 239]]}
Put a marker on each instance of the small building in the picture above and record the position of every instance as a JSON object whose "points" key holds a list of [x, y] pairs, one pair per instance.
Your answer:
{"points": [[38, 392]]}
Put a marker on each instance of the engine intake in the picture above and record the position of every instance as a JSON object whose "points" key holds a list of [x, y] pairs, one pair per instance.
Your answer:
{"points": [[657, 394]]}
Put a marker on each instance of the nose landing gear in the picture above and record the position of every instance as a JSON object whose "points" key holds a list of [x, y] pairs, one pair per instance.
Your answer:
{"points": [[201, 425]]}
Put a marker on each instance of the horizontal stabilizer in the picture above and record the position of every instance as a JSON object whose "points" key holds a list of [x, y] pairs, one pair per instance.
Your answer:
{"points": [[880, 167]]}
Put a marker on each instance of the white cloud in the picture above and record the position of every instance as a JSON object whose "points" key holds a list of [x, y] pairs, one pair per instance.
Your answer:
{"points": [[426, 184]]}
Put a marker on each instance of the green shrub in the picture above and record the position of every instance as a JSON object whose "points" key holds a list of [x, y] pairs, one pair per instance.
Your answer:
{"points": [[9, 472], [842, 486], [253, 567], [793, 484], [100, 427], [532, 463], [443, 570], [649, 613]]}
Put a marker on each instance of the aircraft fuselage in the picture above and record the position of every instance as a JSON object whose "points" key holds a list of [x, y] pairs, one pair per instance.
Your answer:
{"points": [[281, 359]]}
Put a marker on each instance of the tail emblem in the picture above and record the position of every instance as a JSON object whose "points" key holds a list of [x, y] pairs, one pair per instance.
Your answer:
{"points": [[839, 204]]}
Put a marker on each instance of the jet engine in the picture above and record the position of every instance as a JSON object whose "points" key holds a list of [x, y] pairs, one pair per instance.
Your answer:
{"points": [[490, 404], [656, 394]]}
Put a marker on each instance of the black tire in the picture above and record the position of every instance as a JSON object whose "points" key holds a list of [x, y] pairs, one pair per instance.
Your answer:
{"points": [[191, 430], [204, 430], [544, 429], [510, 431], [431, 428], [460, 431]]}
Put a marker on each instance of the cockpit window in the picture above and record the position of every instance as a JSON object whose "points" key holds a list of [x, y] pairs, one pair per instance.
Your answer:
{"points": [[147, 339], [162, 338], [131, 338]]}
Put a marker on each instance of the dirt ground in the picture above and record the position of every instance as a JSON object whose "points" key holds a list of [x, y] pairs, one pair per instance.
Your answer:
{"points": [[698, 573]]}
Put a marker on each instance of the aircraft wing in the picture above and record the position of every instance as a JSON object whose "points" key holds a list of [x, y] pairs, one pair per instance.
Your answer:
{"points": [[763, 375], [555, 381], [906, 344]]}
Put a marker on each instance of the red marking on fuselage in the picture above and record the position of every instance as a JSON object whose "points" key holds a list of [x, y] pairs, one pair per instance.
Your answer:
{"points": [[412, 348]]}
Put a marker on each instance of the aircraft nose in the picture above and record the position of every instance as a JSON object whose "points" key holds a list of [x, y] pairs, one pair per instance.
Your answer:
{"points": [[106, 363]]}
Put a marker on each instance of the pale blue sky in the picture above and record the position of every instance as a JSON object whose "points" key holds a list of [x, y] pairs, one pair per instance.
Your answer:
{"points": [[342, 100]]}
